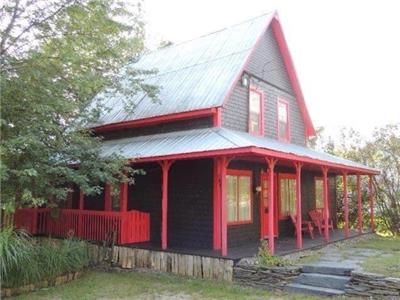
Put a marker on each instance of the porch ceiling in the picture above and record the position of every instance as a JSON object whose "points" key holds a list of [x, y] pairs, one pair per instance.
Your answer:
{"points": [[210, 142]]}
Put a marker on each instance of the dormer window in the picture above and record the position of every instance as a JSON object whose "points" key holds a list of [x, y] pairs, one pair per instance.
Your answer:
{"points": [[256, 111], [283, 120]]}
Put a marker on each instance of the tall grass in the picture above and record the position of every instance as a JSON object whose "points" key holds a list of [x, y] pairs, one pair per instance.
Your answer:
{"points": [[16, 253], [25, 260]]}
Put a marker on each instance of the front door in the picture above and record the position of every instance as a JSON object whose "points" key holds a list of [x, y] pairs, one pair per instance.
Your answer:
{"points": [[264, 207]]}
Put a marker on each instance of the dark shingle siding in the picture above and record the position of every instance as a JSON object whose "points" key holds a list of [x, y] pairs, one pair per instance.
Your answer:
{"points": [[204, 122], [267, 63], [275, 83]]}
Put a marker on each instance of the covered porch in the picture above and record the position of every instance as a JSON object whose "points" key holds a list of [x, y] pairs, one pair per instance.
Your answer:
{"points": [[182, 204], [283, 246]]}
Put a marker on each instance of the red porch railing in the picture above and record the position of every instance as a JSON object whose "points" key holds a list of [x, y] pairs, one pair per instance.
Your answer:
{"points": [[128, 227]]}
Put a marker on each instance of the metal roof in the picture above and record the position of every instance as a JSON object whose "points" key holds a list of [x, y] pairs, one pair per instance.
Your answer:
{"points": [[192, 75], [210, 139]]}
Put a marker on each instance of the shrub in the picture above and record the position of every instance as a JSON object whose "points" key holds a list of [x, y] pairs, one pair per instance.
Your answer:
{"points": [[264, 257], [16, 253], [24, 260]]}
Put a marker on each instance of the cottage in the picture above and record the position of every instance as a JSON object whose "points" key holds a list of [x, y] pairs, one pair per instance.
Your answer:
{"points": [[224, 151]]}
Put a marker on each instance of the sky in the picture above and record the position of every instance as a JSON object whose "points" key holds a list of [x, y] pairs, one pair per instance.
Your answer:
{"points": [[346, 52]]}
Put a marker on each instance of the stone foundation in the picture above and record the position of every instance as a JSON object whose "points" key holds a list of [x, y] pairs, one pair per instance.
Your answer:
{"points": [[247, 273], [373, 286]]}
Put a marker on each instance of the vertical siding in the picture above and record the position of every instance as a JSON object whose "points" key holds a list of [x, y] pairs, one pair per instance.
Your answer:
{"points": [[145, 195], [189, 202], [266, 63], [190, 205], [93, 202]]}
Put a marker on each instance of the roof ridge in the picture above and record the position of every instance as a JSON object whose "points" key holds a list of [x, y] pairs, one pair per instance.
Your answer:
{"points": [[210, 33], [197, 64]]}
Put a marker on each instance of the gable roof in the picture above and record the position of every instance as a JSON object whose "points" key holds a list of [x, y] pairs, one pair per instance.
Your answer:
{"points": [[209, 141], [199, 73]]}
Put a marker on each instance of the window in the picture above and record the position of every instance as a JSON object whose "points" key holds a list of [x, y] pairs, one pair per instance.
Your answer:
{"points": [[319, 193], [287, 195], [239, 196], [283, 120], [256, 111]]}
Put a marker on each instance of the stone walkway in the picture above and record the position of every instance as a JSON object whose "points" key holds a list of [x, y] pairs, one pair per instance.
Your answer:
{"points": [[344, 255]]}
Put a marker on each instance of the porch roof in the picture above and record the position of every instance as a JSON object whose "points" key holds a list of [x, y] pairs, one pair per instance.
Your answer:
{"points": [[217, 141]]}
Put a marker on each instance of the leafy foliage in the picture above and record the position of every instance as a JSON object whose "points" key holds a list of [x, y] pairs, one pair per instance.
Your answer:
{"points": [[55, 57], [24, 260], [266, 259], [382, 151]]}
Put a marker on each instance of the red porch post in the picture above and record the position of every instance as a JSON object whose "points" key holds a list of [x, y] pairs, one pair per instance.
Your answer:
{"points": [[123, 197], [81, 200], [81, 207], [224, 225], [271, 209], [359, 205], [326, 203], [299, 236], [216, 206], [165, 165], [107, 197], [371, 202], [346, 205]]}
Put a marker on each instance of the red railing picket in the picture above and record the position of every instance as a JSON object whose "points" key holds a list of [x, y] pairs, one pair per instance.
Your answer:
{"points": [[131, 227]]}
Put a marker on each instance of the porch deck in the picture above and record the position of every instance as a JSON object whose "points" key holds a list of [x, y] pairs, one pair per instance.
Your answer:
{"points": [[283, 246]]}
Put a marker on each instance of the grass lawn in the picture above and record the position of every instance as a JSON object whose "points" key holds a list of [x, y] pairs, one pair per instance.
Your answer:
{"points": [[140, 285], [389, 262]]}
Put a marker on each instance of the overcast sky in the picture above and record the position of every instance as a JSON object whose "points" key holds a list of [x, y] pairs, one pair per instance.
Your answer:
{"points": [[346, 52]]}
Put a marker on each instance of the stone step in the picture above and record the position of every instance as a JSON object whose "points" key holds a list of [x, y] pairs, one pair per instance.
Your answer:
{"points": [[323, 280], [312, 290], [327, 269]]}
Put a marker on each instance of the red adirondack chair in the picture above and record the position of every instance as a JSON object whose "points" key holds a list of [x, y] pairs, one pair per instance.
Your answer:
{"points": [[306, 226], [317, 218]]}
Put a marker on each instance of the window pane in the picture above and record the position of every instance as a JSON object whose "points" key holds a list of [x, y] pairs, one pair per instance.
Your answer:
{"points": [[319, 200], [231, 194], [244, 198], [282, 112], [282, 120], [287, 196], [255, 106]]}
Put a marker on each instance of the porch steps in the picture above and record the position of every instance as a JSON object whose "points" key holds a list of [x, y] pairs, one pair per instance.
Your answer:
{"points": [[312, 290], [324, 280], [327, 269]]}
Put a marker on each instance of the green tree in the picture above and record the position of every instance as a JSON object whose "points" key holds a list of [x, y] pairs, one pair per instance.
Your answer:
{"points": [[56, 55], [381, 151]]}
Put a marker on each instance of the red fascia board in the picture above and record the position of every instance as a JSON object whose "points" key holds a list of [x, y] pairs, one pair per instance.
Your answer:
{"points": [[158, 119], [259, 151], [278, 32], [280, 38], [247, 60], [199, 154], [313, 161]]}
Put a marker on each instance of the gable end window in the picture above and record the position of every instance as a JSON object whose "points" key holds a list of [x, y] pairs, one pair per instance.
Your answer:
{"points": [[256, 111], [283, 120], [238, 194]]}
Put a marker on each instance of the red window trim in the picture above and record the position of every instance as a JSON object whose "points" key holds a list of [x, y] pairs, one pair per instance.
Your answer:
{"points": [[315, 190], [234, 172], [283, 176], [286, 103], [256, 90]]}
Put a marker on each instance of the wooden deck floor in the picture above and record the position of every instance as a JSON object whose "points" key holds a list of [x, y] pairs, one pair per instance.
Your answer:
{"points": [[285, 245]]}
